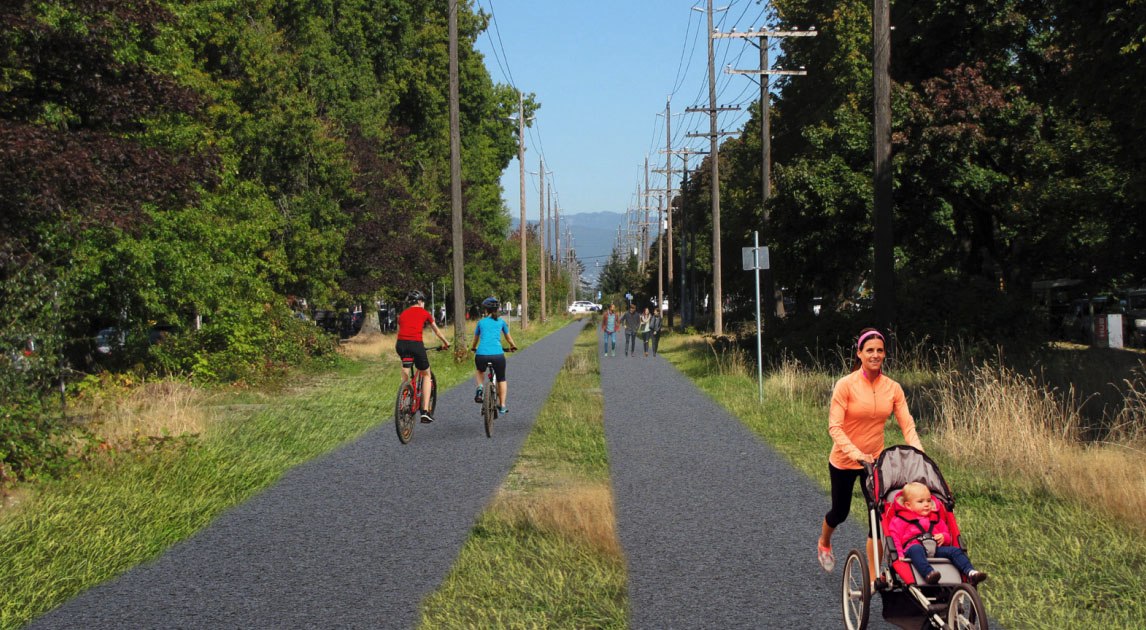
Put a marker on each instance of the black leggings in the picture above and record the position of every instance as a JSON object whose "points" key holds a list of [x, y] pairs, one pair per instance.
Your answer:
{"points": [[843, 482]]}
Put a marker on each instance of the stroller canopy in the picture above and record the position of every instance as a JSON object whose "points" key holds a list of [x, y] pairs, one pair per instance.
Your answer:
{"points": [[901, 465]]}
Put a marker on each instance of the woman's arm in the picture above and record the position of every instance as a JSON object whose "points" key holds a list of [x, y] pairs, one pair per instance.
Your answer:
{"points": [[836, 414]]}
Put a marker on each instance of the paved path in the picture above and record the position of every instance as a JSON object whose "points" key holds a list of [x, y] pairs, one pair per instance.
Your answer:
{"points": [[718, 530], [354, 539]]}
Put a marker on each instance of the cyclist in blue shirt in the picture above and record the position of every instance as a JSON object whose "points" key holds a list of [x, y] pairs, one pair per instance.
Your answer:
{"points": [[487, 349]]}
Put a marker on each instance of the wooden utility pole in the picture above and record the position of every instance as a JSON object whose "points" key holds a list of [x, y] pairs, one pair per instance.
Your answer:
{"points": [[668, 194], [685, 154], [883, 276], [660, 255], [524, 226], [456, 184], [557, 233], [714, 158], [645, 222], [764, 73], [545, 239]]}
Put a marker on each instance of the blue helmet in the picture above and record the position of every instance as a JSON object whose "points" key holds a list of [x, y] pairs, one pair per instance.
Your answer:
{"points": [[491, 304]]}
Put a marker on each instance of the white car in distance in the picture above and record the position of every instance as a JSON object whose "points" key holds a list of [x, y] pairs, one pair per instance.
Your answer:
{"points": [[580, 307]]}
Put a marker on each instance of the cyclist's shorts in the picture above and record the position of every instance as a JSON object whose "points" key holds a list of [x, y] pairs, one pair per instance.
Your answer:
{"points": [[498, 361], [415, 350]]}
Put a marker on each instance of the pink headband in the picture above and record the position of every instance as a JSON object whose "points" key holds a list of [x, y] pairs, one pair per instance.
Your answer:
{"points": [[863, 337]]}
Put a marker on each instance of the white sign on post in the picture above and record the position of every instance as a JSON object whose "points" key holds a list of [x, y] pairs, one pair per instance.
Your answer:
{"points": [[751, 262]]}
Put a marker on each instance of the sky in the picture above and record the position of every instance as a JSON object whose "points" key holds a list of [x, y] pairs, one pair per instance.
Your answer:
{"points": [[603, 71]]}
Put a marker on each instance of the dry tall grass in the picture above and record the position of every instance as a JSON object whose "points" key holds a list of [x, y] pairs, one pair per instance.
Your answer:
{"points": [[368, 346], [996, 419], [582, 512], [155, 409]]}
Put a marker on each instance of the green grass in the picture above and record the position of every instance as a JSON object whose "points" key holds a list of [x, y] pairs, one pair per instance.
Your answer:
{"points": [[1054, 563], [545, 554], [72, 534]]}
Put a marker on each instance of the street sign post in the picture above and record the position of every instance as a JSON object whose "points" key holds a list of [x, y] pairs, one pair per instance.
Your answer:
{"points": [[755, 259]]}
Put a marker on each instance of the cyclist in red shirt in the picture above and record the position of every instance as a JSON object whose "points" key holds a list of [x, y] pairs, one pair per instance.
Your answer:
{"points": [[411, 323]]}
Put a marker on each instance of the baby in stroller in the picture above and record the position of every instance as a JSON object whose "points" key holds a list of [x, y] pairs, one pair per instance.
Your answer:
{"points": [[911, 507], [918, 529]]}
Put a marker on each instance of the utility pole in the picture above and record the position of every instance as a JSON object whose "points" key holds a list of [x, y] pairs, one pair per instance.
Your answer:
{"points": [[660, 255], [645, 222], [545, 240], [668, 187], [883, 276], [456, 184], [714, 157], [766, 141], [557, 231], [684, 154], [524, 226]]}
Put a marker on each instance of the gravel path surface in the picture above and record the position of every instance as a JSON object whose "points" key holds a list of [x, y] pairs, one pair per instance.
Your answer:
{"points": [[718, 530], [354, 539]]}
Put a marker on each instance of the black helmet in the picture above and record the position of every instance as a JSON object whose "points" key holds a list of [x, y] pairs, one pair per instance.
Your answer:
{"points": [[490, 303], [415, 296]]}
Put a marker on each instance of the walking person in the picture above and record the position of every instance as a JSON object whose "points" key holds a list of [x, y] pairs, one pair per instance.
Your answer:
{"points": [[631, 321], [643, 329], [655, 331], [861, 404], [609, 323]]}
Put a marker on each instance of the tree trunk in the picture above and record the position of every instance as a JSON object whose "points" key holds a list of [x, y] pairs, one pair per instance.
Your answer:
{"points": [[370, 324]]}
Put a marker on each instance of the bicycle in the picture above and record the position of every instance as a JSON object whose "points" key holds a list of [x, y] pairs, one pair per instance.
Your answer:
{"points": [[491, 399], [408, 403]]}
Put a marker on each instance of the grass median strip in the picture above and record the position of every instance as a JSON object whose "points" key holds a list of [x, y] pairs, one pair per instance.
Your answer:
{"points": [[545, 553], [1056, 561], [69, 535]]}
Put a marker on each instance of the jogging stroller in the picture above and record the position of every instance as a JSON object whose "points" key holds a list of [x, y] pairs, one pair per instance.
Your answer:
{"points": [[908, 600]]}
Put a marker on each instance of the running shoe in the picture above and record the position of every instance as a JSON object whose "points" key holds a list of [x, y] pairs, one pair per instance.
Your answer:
{"points": [[427, 418], [503, 410], [827, 559], [477, 395]]}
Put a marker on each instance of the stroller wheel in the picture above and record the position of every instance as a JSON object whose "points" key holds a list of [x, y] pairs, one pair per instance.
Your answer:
{"points": [[856, 591], [965, 609]]}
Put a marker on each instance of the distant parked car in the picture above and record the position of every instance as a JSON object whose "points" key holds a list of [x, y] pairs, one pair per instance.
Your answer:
{"points": [[110, 340], [581, 307]]}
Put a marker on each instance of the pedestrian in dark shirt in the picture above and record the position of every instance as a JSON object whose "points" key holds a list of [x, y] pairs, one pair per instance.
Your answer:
{"points": [[631, 322]]}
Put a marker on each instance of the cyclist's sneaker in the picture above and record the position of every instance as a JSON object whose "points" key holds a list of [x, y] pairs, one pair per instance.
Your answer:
{"points": [[503, 410], [477, 395], [426, 417]]}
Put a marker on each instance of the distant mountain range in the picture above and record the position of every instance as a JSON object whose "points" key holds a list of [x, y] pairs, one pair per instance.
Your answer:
{"points": [[593, 236]]}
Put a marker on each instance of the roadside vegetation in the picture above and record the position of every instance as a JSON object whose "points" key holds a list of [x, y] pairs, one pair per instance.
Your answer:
{"points": [[1055, 515], [170, 457], [545, 553]]}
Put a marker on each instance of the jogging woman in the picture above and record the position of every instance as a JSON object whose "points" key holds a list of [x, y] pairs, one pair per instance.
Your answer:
{"points": [[861, 403], [487, 349]]}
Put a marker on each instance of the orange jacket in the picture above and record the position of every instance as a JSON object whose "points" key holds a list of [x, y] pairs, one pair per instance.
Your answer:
{"points": [[858, 413]]}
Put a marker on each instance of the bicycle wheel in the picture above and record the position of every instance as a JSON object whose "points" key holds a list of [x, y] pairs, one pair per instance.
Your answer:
{"points": [[404, 412], [965, 610], [489, 407], [856, 591], [433, 393]]}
